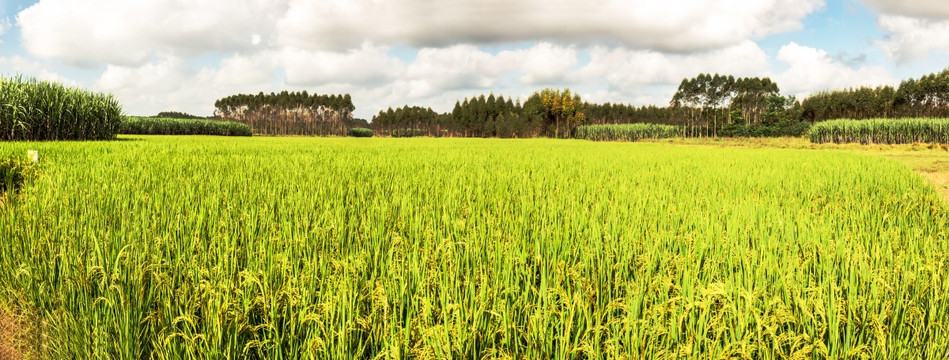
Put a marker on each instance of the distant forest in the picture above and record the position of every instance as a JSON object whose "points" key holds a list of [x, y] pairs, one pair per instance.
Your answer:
{"points": [[706, 105]]}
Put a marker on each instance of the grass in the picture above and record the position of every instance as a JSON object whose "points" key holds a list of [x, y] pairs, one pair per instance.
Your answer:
{"points": [[204, 247]]}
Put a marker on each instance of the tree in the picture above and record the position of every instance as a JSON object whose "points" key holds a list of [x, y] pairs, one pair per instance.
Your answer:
{"points": [[558, 108]]}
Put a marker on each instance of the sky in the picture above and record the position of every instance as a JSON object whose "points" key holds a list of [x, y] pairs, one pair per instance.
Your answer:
{"points": [[182, 55]]}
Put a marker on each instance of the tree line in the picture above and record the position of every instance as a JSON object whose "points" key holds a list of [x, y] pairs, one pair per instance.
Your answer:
{"points": [[705, 105], [290, 113], [549, 112], [927, 96]]}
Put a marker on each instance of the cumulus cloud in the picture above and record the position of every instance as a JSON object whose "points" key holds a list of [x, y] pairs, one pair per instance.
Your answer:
{"points": [[122, 32], [626, 70], [434, 76], [366, 65], [671, 25], [131, 32], [915, 8], [18, 65], [912, 28], [173, 83], [811, 70], [909, 38], [542, 64]]}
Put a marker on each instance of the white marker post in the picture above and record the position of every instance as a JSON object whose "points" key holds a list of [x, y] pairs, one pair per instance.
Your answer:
{"points": [[33, 155]]}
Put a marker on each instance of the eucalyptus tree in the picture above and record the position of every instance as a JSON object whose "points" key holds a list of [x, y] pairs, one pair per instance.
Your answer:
{"points": [[558, 108]]}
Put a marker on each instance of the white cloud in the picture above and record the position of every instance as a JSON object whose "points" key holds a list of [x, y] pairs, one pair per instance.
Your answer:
{"points": [[454, 67], [912, 28], [131, 32], [915, 8], [543, 63], [909, 38], [811, 70], [174, 84], [368, 64], [17, 65], [671, 25], [627, 70], [4, 26]]}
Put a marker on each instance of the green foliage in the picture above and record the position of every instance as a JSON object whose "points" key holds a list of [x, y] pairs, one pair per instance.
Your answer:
{"points": [[926, 97], [473, 249], [792, 129], [290, 113], [559, 109], [360, 132], [609, 113], [627, 132], [40, 110], [881, 131], [407, 121], [713, 101], [14, 172], [177, 115], [285, 100], [407, 133], [479, 116], [165, 126]]}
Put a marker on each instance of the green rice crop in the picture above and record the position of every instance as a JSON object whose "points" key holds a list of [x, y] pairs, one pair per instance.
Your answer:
{"points": [[40, 110], [881, 131], [342, 248], [168, 126], [14, 172], [626, 132]]}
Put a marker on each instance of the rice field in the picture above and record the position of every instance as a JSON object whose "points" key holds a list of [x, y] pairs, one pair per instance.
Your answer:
{"points": [[340, 248]]}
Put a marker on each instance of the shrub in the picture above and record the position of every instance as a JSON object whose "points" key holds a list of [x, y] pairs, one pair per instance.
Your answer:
{"points": [[41, 110], [166, 126], [360, 132], [177, 115]]}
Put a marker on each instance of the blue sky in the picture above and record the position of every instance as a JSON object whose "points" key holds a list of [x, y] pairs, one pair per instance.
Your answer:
{"points": [[180, 55]]}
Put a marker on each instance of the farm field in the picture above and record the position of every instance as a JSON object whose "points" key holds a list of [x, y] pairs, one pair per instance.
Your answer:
{"points": [[930, 161], [210, 247]]}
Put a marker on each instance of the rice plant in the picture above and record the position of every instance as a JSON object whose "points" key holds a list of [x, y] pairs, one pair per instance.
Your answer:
{"points": [[343, 248], [40, 110], [881, 131], [14, 172], [626, 132], [168, 126]]}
